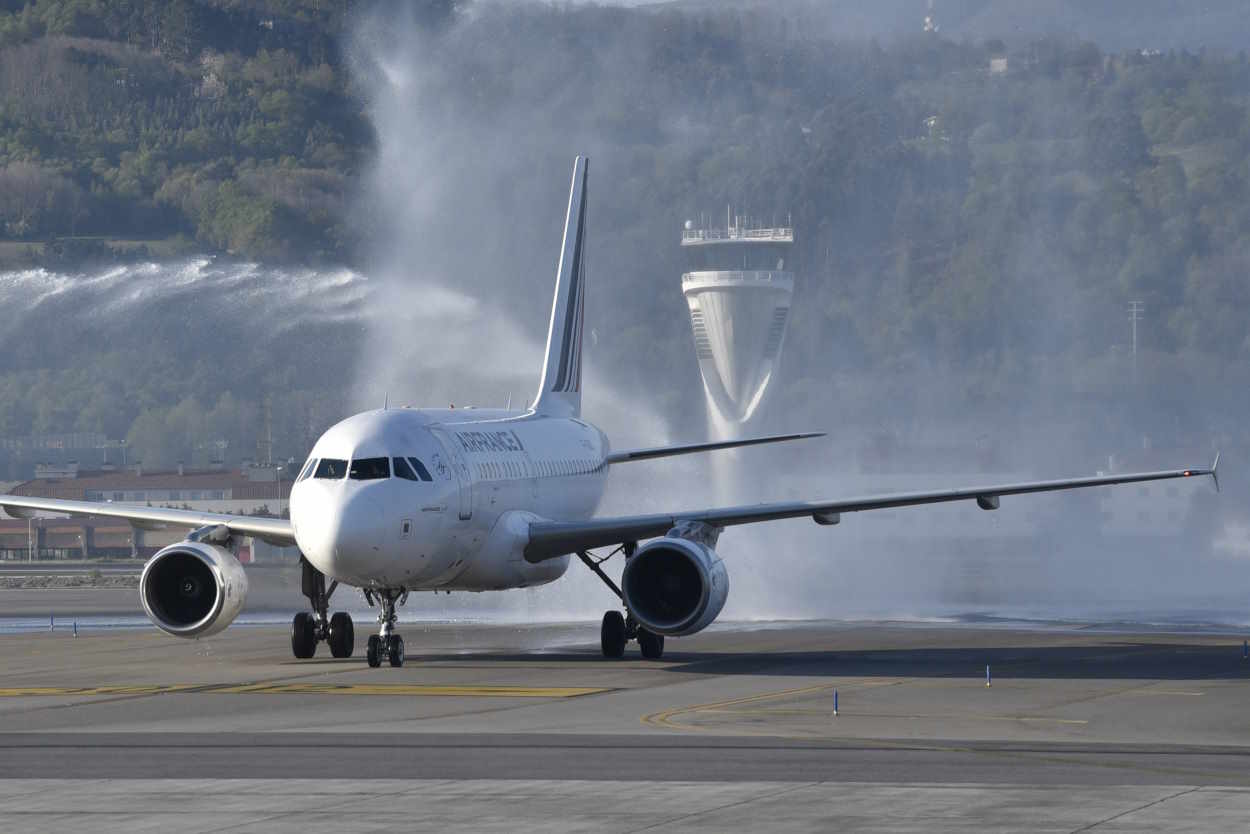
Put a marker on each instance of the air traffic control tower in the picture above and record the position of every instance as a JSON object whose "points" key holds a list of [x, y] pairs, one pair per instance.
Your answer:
{"points": [[738, 287]]}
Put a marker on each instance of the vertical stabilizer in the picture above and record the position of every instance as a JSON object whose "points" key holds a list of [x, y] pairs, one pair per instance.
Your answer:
{"points": [[561, 390]]}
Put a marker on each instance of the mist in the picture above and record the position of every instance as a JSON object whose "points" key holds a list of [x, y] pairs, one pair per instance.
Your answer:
{"points": [[467, 196]]}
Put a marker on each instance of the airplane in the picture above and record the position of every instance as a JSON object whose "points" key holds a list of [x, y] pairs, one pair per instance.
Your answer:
{"points": [[398, 500]]}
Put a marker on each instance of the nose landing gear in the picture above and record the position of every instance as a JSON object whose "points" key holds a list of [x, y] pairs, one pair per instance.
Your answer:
{"points": [[307, 630], [386, 643]]}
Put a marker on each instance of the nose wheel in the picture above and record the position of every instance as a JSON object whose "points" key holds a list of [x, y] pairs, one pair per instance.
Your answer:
{"points": [[392, 649], [386, 644]]}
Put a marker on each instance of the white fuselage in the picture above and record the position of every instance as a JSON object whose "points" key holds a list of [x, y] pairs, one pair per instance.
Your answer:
{"points": [[458, 520]]}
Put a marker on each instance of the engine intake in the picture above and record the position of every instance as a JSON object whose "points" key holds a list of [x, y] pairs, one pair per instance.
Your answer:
{"points": [[192, 589], [675, 586]]}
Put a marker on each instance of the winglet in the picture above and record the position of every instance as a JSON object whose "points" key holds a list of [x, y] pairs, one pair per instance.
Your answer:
{"points": [[1215, 471]]}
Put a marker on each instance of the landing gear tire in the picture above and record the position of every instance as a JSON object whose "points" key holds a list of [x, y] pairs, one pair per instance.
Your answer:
{"points": [[303, 635], [373, 652], [652, 645], [395, 651], [612, 634], [342, 635]]}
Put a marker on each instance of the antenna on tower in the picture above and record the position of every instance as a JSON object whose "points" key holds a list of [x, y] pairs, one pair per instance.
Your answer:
{"points": [[1135, 310], [930, 19], [264, 445]]}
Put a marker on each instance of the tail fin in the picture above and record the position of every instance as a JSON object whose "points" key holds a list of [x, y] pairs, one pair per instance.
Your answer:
{"points": [[561, 390]]}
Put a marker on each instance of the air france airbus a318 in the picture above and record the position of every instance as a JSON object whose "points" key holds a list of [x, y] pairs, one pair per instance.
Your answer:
{"points": [[402, 500]]}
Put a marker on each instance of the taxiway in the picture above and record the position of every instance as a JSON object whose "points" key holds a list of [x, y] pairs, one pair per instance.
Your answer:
{"points": [[520, 727]]}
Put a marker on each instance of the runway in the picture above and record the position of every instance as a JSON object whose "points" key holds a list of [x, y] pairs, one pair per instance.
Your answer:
{"points": [[527, 727]]}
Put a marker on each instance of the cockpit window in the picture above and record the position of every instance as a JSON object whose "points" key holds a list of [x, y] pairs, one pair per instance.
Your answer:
{"points": [[369, 469], [307, 470], [403, 470], [421, 470], [331, 468]]}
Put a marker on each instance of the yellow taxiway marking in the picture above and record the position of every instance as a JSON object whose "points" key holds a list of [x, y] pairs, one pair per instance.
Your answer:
{"points": [[753, 706], [666, 718], [466, 691], [402, 689], [894, 715], [141, 689], [1167, 692]]}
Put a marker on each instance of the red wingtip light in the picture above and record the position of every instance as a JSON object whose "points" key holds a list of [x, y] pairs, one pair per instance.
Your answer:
{"points": [[1187, 473]]}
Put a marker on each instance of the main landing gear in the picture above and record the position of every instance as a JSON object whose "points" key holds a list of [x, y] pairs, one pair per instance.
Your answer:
{"points": [[386, 643], [618, 629], [309, 629]]}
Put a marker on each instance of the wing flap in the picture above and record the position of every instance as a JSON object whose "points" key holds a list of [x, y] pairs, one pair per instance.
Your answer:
{"points": [[551, 539], [276, 531]]}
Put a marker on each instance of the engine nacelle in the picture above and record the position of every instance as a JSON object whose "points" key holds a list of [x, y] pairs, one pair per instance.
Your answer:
{"points": [[193, 589], [675, 586]]}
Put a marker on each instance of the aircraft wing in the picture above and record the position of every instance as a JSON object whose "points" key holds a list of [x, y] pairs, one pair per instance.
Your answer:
{"points": [[276, 531], [551, 539], [666, 451]]}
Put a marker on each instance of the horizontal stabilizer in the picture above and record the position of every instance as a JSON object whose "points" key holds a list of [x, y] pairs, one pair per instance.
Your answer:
{"points": [[668, 451]]}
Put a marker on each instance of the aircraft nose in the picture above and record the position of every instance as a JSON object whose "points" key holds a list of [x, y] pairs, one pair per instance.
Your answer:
{"points": [[343, 535]]}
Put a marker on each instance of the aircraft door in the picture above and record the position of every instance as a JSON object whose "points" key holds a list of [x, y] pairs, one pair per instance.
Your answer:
{"points": [[460, 466]]}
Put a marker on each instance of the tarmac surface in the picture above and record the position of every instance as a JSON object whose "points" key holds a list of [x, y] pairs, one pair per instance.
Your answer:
{"points": [[527, 727]]}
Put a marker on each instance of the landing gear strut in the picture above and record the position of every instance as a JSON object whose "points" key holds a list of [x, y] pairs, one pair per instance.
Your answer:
{"points": [[618, 629], [386, 643], [307, 630]]}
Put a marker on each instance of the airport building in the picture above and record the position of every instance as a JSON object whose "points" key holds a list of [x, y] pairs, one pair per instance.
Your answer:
{"points": [[251, 490], [738, 287]]}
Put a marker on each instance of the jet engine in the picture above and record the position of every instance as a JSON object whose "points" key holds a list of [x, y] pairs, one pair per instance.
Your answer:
{"points": [[675, 586], [193, 589]]}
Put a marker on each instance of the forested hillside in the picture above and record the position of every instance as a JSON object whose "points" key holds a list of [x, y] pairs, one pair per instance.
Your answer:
{"points": [[222, 124], [974, 215]]}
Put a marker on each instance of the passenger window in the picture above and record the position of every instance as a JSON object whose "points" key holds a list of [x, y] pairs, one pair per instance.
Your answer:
{"points": [[331, 468], [403, 470], [421, 470], [307, 470], [369, 469]]}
